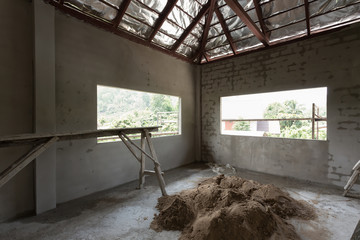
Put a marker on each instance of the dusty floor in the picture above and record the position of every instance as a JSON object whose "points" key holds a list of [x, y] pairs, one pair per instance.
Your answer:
{"points": [[126, 213]]}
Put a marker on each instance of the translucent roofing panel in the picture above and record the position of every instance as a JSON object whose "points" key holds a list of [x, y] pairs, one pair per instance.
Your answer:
{"points": [[180, 18], [189, 6], [241, 33], [163, 40], [136, 10], [185, 50], [115, 3], [171, 29], [192, 41], [131, 25], [274, 7], [246, 4], [234, 23], [323, 6], [285, 18], [94, 7], [297, 29], [220, 51], [216, 42], [157, 5], [248, 43], [215, 30], [335, 17], [227, 12], [198, 30]]}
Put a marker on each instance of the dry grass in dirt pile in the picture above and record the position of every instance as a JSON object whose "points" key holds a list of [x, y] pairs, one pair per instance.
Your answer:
{"points": [[231, 208]]}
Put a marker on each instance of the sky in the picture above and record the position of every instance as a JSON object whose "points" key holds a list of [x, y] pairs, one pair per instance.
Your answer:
{"points": [[253, 105]]}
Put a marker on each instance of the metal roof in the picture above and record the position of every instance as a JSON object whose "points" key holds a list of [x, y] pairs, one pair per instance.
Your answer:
{"points": [[202, 31]]}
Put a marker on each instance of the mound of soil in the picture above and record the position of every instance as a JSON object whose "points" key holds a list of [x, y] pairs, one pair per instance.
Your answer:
{"points": [[230, 208]]}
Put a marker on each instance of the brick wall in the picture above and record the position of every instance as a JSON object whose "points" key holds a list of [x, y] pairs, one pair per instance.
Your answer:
{"points": [[331, 60]]}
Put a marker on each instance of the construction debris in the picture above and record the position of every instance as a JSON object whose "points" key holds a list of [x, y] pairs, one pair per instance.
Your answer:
{"points": [[229, 207], [227, 169]]}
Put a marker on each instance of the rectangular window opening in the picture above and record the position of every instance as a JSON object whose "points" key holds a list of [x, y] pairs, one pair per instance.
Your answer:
{"points": [[123, 108], [298, 114]]}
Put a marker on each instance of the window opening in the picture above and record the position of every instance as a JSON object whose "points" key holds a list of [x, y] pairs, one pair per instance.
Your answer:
{"points": [[299, 114], [123, 108]]}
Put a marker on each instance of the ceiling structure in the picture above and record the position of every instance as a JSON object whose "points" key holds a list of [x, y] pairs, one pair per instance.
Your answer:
{"points": [[202, 31]]}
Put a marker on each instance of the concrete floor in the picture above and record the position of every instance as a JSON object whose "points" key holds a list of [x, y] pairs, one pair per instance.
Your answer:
{"points": [[126, 213]]}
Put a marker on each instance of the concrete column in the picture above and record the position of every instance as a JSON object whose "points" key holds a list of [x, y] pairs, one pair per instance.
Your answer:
{"points": [[45, 116]]}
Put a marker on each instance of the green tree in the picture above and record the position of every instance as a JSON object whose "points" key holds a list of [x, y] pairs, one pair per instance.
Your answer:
{"points": [[242, 126]]}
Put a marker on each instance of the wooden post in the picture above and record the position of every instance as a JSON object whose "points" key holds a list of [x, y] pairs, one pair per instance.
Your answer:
{"points": [[142, 162], [157, 164], [11, 171], [313, 121]]}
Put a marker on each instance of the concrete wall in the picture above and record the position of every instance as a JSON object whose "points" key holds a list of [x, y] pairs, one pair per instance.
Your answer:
{"points": [[331, 60], [87, 57], [16, 101]]}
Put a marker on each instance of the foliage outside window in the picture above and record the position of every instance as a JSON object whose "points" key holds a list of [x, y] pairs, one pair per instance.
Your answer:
{"points": [[297, 114], [122, 108]]}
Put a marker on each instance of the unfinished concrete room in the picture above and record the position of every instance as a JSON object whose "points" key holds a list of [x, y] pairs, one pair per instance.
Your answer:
{"points": [[180, 119]]}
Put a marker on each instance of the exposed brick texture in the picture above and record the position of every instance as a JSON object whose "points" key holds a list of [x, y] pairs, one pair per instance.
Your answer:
{"points": [[330, 60]]}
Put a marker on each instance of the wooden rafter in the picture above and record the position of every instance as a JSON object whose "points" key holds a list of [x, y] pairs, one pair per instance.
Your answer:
{"points": [[162, 17], [188, 30], [121, 13], [261, 19], [241, 13], [206, 31], [226, 30], [307, 14]]}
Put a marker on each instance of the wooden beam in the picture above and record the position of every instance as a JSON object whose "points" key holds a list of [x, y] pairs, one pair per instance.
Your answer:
{"points": [[259, 14], [226, 30], [129, 147], [151, 172], [17, 140], [156, 162], [241, 13], [162, 17], [307, 14], [121, 13], [109, 27], [132, 143], [142, 161], [11, 171], [206, 31], [188, 30]]}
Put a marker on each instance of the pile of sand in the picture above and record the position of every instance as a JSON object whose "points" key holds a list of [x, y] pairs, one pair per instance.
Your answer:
{"points": [[230, 208]]}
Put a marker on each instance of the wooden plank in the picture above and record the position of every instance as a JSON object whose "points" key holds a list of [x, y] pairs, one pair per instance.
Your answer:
{"points": [[11, 171], [142, 162], [7, 141], [151, 172], [129, 147], [156, 162]]}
